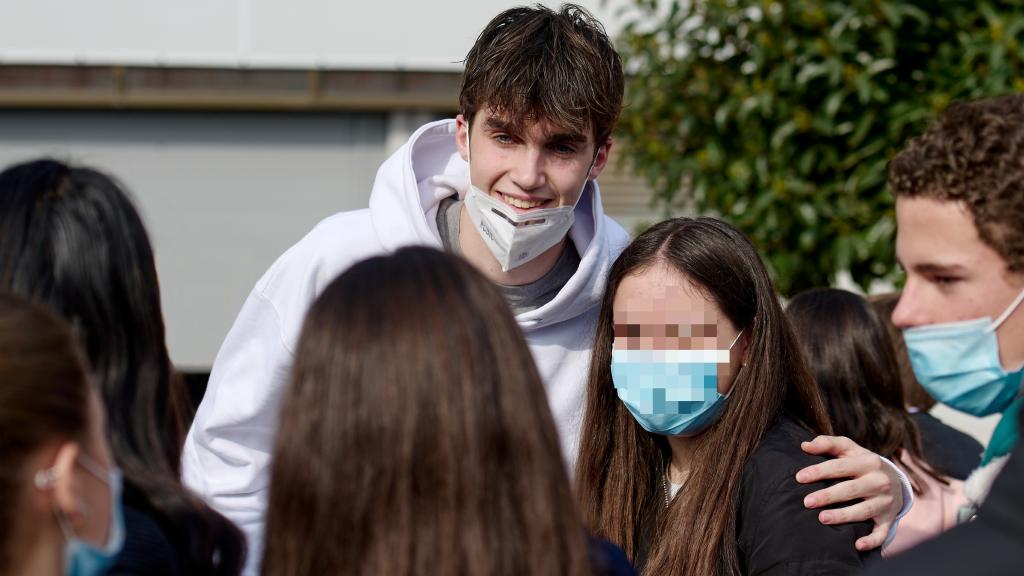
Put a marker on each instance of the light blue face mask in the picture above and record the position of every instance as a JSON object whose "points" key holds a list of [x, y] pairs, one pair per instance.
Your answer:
{"points": [[80, 557], [671, 392], [958, 363]]}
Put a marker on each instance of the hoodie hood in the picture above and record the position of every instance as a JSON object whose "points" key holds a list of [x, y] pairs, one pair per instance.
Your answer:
{"points": [[428, 168]]}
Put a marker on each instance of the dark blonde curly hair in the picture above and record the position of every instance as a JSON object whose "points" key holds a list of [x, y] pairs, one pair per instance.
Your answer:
{"points": [[973, 155]]}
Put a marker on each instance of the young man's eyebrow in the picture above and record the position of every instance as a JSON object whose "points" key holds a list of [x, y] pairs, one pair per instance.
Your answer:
{"points": [[568, 137], [493, 124], [932, 267], [935, 268]]}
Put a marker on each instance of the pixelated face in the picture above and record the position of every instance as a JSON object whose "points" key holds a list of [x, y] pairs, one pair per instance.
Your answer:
{"points": [[951, 275], [540, 167], [658, 309]]}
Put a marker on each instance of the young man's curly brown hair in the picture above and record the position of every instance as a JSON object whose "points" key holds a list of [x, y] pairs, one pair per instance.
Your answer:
{"points": [[535, 64], [973, 155]]}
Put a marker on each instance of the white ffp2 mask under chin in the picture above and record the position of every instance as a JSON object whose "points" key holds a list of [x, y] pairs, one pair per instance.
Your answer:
{"points": [[516, 238]]}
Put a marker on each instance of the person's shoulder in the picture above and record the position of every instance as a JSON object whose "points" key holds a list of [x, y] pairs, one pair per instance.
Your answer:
{"points": [[608, 559], [776, 533], [615, 236], [778, 456], [340, 226], [939, 430], [148, 549], [931, 425], [334, 244], [947, 449]]}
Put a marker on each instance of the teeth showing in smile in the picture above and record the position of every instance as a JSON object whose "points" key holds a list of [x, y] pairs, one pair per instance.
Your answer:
{"points": [[518, 203]]}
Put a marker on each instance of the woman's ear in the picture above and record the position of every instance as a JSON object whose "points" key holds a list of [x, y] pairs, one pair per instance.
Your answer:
{"points": [[65, 484], [744, 343]]}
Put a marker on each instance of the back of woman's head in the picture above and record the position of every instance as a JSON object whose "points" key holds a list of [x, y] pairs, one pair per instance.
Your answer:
{"points": [[415, 435], [43, 398], [851, 355], [621, 465], [70, 238]]}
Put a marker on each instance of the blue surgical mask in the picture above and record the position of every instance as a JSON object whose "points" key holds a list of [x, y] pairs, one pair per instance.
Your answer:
{"points": [[958, 363], [80, 557], [671, 392]]}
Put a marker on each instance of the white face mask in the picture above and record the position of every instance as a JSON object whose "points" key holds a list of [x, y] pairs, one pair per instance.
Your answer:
{"points": [[516, 238]]}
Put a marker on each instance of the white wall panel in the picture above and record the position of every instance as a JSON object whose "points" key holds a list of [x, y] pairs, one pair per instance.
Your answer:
{"points": [[222, 195], [379, 34]]}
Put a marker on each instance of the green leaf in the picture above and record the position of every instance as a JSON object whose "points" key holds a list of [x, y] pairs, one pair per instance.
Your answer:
{"points": [[864, 125], [880, 66], [782, 133], [833, 102]]}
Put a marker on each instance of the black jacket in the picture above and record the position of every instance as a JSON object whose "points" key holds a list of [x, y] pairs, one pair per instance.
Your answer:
{"points": [[608, 559], [148, 548], [991, 545], [776, 534], [947, 449]]}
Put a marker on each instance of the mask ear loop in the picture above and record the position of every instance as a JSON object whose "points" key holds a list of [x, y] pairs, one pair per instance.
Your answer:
{"points": [[742, 366], [586, 179], [1009, 310], [736, 339]]}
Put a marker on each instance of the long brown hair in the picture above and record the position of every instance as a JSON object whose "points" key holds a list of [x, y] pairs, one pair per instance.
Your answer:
{"points": [[415, 435], [43, 397], [848, 348], [621, 466]]}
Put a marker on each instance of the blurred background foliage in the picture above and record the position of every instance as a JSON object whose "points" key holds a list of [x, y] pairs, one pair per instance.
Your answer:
{"points": [[781, 116]]}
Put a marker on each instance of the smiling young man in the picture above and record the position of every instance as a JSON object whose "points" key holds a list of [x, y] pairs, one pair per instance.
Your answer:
{"points": [[509, 185], [960, 238]]}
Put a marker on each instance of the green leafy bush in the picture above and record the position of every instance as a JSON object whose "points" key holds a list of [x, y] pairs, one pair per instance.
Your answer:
{"points": [[781, 116]]}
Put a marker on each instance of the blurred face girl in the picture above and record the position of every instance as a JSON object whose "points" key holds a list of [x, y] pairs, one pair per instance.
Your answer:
{"points": [[674, 357], [61, 491], [693, 365]]}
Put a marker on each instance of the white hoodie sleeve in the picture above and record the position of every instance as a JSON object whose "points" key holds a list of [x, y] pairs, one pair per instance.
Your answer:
{"points": [[227, 452]]}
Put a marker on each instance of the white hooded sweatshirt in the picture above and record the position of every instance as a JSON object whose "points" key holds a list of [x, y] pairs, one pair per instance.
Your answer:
{"points": [[227, 453]]}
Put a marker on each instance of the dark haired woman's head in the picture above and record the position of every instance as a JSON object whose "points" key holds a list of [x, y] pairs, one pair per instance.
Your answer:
{"points": [[54, 457], [415, 435], [686, 288], [71, 239], [851, 355]]}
